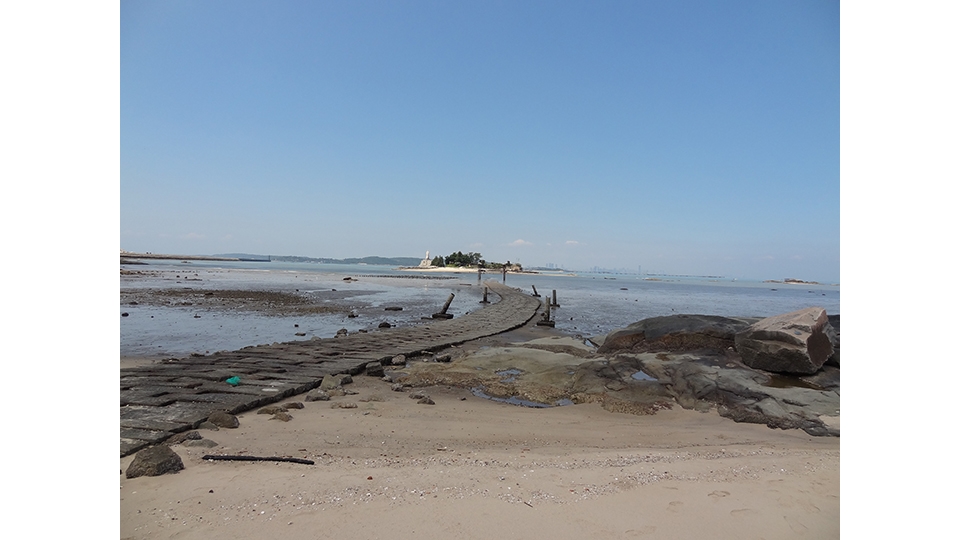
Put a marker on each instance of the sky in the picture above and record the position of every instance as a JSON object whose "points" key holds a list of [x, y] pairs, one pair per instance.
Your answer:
{"points": [[696, 138]]}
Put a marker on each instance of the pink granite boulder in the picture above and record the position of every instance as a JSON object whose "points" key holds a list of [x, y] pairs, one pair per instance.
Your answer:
{"points": [[795, 342]]}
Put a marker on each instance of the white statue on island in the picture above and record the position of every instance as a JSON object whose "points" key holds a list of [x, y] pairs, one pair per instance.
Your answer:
{"points": [[425, 263]]}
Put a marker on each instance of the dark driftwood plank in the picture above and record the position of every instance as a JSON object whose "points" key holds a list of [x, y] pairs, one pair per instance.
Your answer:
{"points": [[255, 458]]}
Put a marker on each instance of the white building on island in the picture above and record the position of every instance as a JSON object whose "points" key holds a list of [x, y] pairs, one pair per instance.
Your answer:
{"points": [[426, 260]]}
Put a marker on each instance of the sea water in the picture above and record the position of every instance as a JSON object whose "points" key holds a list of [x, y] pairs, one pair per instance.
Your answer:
{"points": [[589, 304]]}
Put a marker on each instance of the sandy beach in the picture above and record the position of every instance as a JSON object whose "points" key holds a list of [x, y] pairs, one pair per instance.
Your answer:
{"points": [[467, 467]]}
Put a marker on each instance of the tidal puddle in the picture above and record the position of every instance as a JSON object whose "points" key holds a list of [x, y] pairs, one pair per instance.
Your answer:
{"points": [[641, 376], [509, 375]]}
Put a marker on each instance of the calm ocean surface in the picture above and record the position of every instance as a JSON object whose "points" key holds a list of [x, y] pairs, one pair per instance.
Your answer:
{"points": [[590, 304]]}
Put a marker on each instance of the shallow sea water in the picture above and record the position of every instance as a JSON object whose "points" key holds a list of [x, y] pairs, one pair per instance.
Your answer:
{"points": [[589, 304]]}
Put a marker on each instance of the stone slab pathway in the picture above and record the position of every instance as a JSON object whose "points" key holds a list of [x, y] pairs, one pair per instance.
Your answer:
{"points": [[159, 400]]}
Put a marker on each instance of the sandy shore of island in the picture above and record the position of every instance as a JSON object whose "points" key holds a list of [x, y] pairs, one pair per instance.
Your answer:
{"points": [[467, 467]]}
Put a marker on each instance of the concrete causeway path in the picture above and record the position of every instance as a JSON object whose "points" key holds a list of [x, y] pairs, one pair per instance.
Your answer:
{"points": [[159, 400]]}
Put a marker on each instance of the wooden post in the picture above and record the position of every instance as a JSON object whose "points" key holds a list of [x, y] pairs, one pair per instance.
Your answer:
{"points": [[535, 293], [484, 301], [443, 312], [555, 304], [545, 321]]}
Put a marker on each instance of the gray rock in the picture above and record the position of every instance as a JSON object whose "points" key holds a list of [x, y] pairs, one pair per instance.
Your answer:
{"points": [[270, 409], [398, 360], [702, 382], [794, 342], [343, 405], [676, 333], [319, 396], [374, 369], [292, 405], [384, 324], [201, 443], [185, 436], [224, 419], [333, 381], [425, 401], [154, 461], [396, 387], [444, 358], [209, 425], [282, 416]]}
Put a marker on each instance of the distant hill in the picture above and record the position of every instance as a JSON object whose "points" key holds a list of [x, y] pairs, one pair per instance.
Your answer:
{"points": [[244, 256], [386, 261]]}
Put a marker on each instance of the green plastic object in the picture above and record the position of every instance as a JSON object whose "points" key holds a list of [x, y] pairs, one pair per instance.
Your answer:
{"points": [[233, 381]]}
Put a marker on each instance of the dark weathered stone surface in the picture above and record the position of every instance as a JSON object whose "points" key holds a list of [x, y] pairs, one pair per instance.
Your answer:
{"points": [[676, 333], [374, 369], [224, 420], [270, 409], [154, 461], [179, 395], [185, 436], [833, 332], [794, 342], [200, 443], [704, 381]]}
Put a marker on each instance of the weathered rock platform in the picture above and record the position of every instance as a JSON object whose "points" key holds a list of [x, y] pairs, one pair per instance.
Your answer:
{"points": [[160, 400]]}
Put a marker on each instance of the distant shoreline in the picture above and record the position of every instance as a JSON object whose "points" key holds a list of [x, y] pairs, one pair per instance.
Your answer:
{"points": [[131, 255]]}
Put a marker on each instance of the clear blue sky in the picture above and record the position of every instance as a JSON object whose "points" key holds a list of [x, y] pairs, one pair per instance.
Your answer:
{"points": [[683, 137]]}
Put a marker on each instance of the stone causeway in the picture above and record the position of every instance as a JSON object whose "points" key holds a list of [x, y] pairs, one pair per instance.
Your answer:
{"points": [[160, 400]]}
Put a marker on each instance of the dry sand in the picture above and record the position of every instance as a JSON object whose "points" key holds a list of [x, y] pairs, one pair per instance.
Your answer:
{"points": [[472, 468]]}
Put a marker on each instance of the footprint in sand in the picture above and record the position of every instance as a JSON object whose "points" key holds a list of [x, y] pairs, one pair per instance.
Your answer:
{"points": [[718, 494], [744, 513], [675, 506]]}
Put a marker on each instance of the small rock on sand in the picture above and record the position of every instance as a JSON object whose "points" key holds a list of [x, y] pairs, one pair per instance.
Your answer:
{"points": [[155, 461], [224, 419]]}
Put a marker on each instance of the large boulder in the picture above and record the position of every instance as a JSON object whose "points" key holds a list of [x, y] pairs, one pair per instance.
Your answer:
{"points": [[795, 342], [154, 461], [833, 332], [676, 333]]}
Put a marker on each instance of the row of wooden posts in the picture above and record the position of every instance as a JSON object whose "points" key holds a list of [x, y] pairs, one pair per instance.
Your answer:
{"points": [[545, 321]]}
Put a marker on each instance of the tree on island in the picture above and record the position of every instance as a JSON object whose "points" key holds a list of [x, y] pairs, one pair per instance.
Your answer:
{"points": [[474, 260], [461, 259]]}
